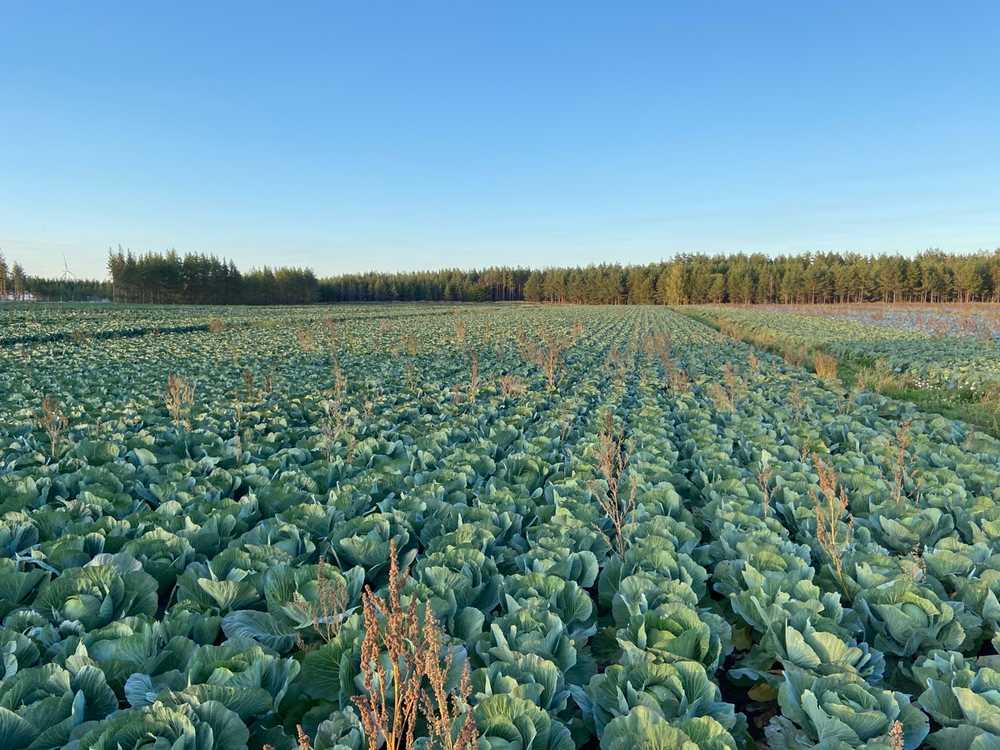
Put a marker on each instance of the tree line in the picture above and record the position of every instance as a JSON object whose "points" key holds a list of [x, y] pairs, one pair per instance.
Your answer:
{"points": [[811, 278], [195, 278], [932, 276], [13, 280]]}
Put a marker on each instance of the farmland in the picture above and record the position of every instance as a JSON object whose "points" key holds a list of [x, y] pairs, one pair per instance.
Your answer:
{"points": [[979, 320], [615, 527], [945, 359]]}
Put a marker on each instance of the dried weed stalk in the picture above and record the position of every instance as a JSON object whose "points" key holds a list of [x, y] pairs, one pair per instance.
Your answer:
{"points": [[547, 354], [720, 397], [391, 655], [179, 399], [511, 386], [735, 385], [410, 344], [831, 507], [444, 709], [903, 440], [403, 674], [896, 738], [612, 461], [473, 390], [327, 612], [825, 366], [338, 388], [330, 325], [764, 482], [331, 423], [248, 384], [54, 422], [678, 379], [795, 399], [307, 342]]}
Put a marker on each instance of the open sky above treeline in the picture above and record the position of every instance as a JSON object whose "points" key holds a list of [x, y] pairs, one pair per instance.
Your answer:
{"points": [[386, 136]]}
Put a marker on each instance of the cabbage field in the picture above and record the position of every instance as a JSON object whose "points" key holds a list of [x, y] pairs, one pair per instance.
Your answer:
{"points": [[518, 527], [979, 320], [37, 322], [942, 358]]}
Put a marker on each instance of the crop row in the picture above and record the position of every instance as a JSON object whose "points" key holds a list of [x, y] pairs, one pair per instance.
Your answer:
{"points": [[35, 322]]}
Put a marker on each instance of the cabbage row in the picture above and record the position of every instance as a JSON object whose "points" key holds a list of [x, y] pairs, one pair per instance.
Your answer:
{"points": [[160, 578], [26, 323]]}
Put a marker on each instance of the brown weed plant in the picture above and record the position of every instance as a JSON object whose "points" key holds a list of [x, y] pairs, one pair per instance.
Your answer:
{"points": [[658, 345], [612, 461], [550, 357], [444, 709], [916, 567], [612, 358], [795, 399], [179, 399], [546, 353], [393, 641], [825, 366], [990, 401], [332, 421], [473, 389], [794, 355], [307, 342], [897, 741], [249, 385], [511, 386], [764, 483], [720, 397], [403, 674], [410, 375], [903, 440], [878, 377], [330, 325], [410, 345], [326, 613], [338, 386], [53, 421], [831, 507], [736, 386], [678, 379]]}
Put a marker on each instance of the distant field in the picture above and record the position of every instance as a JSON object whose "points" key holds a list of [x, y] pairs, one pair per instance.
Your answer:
{"points": [[618, 522], [41, 321], [977, 320], [908, 352]]}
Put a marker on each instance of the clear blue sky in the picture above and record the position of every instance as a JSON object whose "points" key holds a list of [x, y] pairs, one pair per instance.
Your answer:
{"points": [[420, 135]]}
